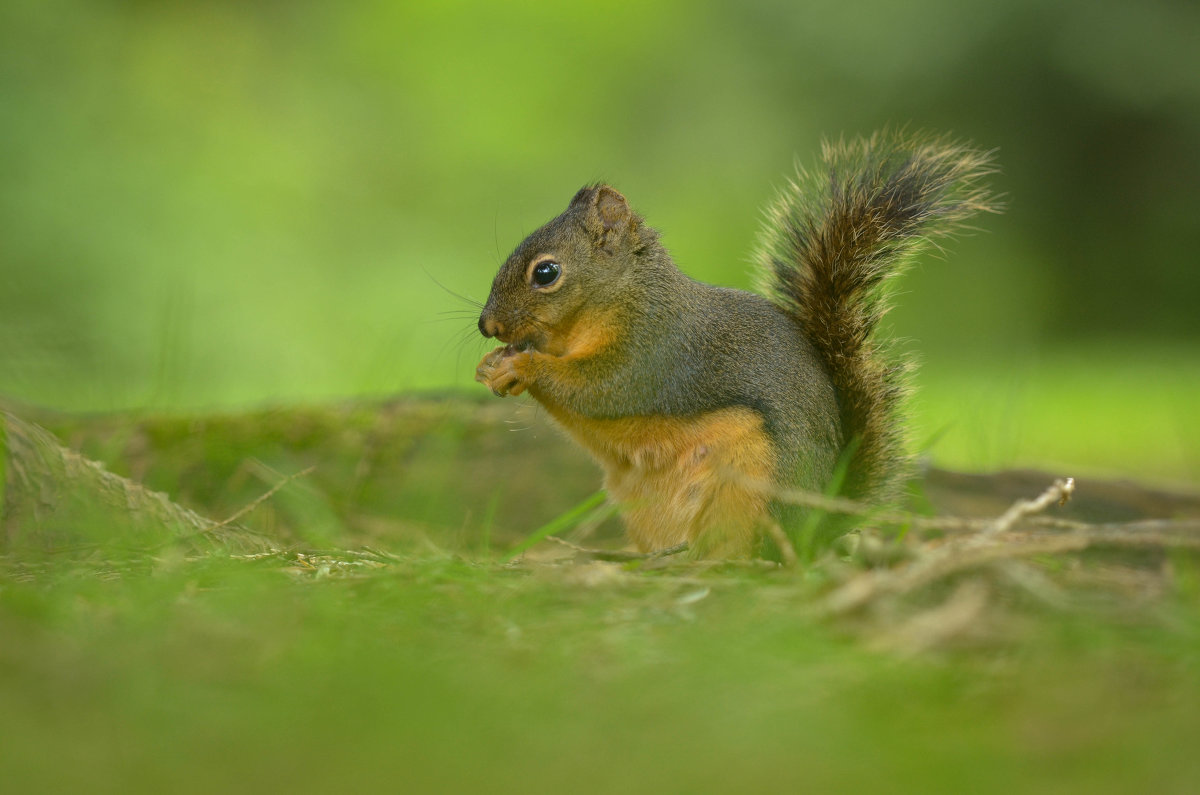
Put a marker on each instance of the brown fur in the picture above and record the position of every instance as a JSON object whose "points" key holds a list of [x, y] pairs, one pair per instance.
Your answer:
{"points": [[834, 239], [703, 480], [699, 402]]}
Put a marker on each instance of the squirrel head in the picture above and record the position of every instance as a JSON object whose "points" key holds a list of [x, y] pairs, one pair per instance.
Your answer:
{"points": [[590, 257]]}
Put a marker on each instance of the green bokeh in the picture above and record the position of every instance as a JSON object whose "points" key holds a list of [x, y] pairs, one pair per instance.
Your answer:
{"points": [[232, 203], [229, 203]]}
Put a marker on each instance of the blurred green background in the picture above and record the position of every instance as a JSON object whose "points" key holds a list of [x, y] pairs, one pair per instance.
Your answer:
{"points": [[223, 204], [219, 205]]}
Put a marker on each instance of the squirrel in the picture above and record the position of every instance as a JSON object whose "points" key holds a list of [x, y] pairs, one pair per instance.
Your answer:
{"points": [[704, 405]]}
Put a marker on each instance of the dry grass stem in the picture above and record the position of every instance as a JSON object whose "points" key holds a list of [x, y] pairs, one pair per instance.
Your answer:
{"points": [[616, 555], [787, 552], [261, 499], [935, 627], [996, 541]]}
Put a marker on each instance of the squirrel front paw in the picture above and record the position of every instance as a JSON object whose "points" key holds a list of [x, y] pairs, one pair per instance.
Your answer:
{"points": [[498, 372]]}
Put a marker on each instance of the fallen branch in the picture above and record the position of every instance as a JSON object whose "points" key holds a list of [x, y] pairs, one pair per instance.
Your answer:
{"points": [[56, 499], [939, 559], [1058, 492]]}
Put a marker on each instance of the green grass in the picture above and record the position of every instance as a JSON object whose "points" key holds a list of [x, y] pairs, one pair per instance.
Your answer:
{"points": [[435, 673], [1118, 413], [435, 666], [441, 674]]}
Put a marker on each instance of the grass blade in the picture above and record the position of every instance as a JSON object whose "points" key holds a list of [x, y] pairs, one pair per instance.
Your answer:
{"points": [[559, 523]]}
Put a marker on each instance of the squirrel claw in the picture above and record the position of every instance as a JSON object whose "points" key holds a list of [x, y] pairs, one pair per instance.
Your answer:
{"points": [[497, 372]]}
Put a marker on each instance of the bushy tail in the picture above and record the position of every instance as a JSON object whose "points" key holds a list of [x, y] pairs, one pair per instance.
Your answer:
{"points": [[833, 239]]}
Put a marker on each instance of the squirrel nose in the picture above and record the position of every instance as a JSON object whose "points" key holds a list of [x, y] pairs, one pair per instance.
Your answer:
{"points": [[489, 327]]}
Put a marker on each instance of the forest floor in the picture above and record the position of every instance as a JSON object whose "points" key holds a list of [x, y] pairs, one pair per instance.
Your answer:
{"points": [[329, 599]]}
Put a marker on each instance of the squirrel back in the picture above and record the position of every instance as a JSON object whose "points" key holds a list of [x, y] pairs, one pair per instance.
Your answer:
{"points": [[833, 239], [700, 402]]}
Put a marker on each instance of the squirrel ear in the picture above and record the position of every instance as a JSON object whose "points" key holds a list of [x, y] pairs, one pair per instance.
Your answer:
{"points": [[607, 215]]}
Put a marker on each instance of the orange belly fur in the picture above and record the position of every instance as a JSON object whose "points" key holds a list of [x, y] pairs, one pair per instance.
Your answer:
{"points": [[706, 480]]}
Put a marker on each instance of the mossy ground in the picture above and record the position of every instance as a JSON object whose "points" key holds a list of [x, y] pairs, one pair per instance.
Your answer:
{"points": [[440, 673], [388, 644]]}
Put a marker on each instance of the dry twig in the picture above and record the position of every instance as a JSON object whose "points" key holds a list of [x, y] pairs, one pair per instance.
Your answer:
{"points": [[936, 561], [618, 555], [937, 625], [1059, 492], [996, 541], [260, 500], [787, 552]]}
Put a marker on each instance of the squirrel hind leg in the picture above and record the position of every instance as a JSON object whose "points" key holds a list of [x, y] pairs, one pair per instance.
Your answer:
{"points": [[732, 521], [714, 492], [718, 518]]}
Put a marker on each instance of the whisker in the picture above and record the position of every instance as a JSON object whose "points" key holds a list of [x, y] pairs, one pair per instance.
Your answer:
{"points": [[457, 314], [459, 296], [459, 341], [496, 233]]}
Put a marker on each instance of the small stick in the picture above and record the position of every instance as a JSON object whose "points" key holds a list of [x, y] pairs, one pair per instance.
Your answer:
{"points": [[934, 563], [786, 550], [617, 555], [852, 508], [1060, 491], [933, 627], [271, 493]]}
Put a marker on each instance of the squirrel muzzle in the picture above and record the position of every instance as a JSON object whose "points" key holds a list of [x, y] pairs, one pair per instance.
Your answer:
{"points": [[490, 327], [515, 334]]}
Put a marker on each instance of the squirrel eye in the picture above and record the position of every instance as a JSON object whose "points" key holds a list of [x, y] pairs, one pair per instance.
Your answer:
{"points": [[545, 273]]}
